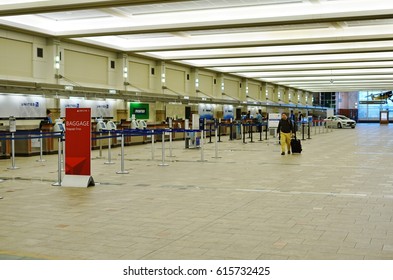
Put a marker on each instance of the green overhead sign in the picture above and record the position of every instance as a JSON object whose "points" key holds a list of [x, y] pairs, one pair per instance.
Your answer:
{"points": [[140, 110]]}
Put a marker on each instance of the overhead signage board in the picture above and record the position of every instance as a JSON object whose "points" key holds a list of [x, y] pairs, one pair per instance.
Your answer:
{"points": [[228, 112], [206, 111], [99, 108], [373, 102], [21, 106], [140, 110]]}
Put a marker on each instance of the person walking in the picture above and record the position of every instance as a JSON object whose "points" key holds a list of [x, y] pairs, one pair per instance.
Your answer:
{"points": [[285, 130]]}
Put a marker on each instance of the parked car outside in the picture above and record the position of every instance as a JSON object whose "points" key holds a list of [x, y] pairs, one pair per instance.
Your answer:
{"points": [[339, 121]]}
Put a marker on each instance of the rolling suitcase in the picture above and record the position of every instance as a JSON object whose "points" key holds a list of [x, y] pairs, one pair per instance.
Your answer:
{"points": [[296, 145]]}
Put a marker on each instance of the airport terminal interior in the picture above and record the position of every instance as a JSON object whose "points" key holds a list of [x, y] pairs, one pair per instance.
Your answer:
{"points": [[147, 130]]}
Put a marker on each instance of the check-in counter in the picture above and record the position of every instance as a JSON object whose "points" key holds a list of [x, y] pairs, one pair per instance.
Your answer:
{"points": [[225, 128], [49, 145], [4, 144], [178, 124], [24, 145]]}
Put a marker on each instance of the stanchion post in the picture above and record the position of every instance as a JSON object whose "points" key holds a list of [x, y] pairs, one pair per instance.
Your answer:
{"points": [[152, 145], [216, 144], [58, 183], [251, 131], [210, 133], [260, 131], [244, 133], [122, 171], [170, 142], [202, 147], [13, 167], [100, 154], [219, 131], [230, 131], [308, 131], [109, 149], [41, 148], [266, 129], [163, 163]]}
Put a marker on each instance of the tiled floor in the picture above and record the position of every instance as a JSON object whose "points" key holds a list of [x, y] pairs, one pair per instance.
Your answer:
{"points": [[334, 201]]}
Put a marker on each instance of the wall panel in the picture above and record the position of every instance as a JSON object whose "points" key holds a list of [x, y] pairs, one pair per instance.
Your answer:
{"points": [[176, 80], [139, 74], [16, 58], [206, 84], [85, 68]]}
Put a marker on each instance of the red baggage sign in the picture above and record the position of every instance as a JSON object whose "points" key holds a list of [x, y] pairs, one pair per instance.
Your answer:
{"points": [[78, 141]]}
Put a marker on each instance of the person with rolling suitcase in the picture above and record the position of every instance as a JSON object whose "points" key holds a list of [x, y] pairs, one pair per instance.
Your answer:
{"points": [[284, 130], [296, 145]]}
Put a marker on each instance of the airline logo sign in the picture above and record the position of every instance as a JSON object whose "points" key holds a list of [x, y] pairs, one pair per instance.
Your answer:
{"points": [[99, 108], [228, 112], [206, 111], [22, 106], [78, 141]]}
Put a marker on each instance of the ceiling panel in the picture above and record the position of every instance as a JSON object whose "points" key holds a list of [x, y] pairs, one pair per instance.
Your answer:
{"points": [[312, 45]]}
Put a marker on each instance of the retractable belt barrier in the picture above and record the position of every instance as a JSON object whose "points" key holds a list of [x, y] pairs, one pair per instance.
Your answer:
{"points": [[26, 135], [109, 134]]}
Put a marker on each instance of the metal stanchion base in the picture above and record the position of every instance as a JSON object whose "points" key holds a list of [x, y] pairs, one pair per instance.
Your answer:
{"points": [[215, 157], [40, 160], [109, 162], [13, 168], [163, 164], [122, 172], [57, 184]]}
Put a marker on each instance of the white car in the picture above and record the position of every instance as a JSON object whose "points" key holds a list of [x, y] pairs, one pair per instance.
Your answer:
{"points": [[339, 121]]}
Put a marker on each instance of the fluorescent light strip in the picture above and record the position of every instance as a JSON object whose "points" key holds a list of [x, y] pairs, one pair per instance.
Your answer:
{"points": [[336, 78], [290, 59], [353, 82], [271, 50], [327, 73], [283, 67]]}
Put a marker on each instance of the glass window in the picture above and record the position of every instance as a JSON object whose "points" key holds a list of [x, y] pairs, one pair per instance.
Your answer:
{"points": [[372, 102]]}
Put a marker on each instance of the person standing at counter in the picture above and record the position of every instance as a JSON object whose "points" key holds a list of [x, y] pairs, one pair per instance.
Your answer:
{"points": [[285, 130], [259, 120], [48, 116]]}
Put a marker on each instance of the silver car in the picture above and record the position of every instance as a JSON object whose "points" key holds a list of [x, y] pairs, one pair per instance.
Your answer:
{"points": [[339, 121]]}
